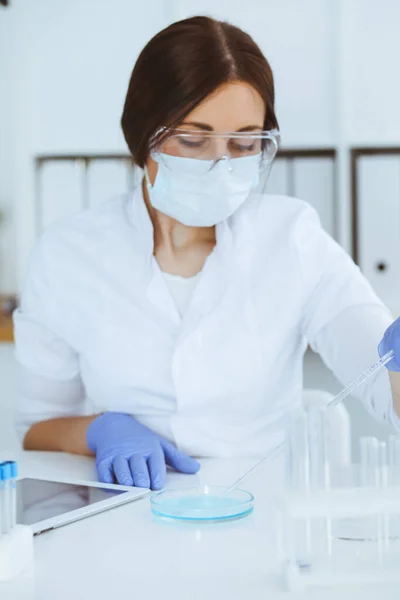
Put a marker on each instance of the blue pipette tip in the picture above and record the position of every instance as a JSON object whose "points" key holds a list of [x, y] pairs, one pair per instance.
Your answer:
{"points": [[5, 470], [11, 468], [14, 469]]}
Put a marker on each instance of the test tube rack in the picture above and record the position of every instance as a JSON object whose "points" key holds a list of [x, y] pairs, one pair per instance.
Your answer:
{"points": [[338, 525]]}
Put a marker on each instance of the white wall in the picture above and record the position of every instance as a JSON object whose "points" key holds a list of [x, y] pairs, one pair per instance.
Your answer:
{"points": [[72, 62], [370, 46], [7, 243]]}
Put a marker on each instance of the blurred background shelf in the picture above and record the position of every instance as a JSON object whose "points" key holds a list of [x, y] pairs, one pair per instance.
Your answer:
{"points": [[6, 331], [7, 305]]}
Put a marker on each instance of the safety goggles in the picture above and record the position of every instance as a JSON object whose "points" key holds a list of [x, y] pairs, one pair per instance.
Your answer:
{"points": [[211, 147]]}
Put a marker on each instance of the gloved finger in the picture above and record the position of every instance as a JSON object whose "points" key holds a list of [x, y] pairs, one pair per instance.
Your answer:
{"points": [[122, 470], [179, 460], [157, 468], [385, 346], [104, 471], [139, 471]]}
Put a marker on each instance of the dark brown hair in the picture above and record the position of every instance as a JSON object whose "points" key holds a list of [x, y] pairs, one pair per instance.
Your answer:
{"points": [[180, 67]]}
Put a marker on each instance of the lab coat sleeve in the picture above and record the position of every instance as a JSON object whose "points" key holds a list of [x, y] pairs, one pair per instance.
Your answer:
{"points": [[343, 319], [49, 382]]}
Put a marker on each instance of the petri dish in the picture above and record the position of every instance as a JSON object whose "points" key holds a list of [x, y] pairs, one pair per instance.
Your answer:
{"points": [[204, 504]]}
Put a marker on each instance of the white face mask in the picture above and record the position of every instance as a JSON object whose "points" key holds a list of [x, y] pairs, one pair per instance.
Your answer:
{"points": [[184, 191]]}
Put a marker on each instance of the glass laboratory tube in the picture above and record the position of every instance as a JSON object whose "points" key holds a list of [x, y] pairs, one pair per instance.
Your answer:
{"points": [[317, 446], [383, 464], [1, 501], [13, 494], [298, 481], [319, 470], [290, 450], [374, 474], [394, 459], [6, 475], [369, 477], [384, 518], [394, 450], [373, 459], [369, 473], [296, 449], [394, 479]]}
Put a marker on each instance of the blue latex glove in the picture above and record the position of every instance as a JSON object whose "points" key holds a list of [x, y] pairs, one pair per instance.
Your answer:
{"points": [[391, 341], [130, 454]]}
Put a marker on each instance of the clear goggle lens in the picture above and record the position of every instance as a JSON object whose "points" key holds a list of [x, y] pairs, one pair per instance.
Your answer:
{"points": [[213, 147]]}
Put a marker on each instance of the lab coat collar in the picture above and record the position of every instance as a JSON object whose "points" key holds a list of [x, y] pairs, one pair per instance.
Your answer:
{"points": [[141, 221], [215, 274]]}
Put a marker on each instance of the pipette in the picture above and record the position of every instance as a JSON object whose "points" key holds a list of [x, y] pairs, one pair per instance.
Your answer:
{"points": [[334, 402]]}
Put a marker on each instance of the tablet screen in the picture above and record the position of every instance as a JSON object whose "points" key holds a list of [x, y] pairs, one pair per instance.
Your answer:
{"points": [[38, 500]]}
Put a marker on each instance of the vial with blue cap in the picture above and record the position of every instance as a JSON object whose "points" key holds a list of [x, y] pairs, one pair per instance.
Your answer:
{"points": [[5, 478], [1, 500], [12, 494], [14, 476], [8, 502]]}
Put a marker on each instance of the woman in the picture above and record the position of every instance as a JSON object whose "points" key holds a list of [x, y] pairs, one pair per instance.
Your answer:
{"points": [[172, 323]]}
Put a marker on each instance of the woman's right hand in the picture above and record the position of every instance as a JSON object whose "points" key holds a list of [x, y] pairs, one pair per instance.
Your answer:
{"points": [[391, 341], [129, 453]]}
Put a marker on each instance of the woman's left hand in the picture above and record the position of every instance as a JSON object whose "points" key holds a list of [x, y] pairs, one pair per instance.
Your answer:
{"points": [[391, 341]]}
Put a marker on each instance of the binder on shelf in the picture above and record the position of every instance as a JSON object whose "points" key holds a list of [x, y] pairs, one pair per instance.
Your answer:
{"points": [[378, 224]]}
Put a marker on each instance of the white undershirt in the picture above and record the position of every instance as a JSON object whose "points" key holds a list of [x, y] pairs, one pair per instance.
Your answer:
{"points": [[181, 289]]}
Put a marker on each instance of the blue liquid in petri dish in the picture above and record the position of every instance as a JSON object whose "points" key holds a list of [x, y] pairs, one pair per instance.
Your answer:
{"points": [[202, 504]]}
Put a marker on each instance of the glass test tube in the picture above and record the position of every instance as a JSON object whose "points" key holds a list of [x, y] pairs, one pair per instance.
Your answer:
{"points": [[369, 475], [383, 464], [5, 480], [384, 522], [394, 459], [394, 479], [372, 456], [296, 449], [298, 480], [13, 494], [319, 466], [317, 447], [1, 500]]}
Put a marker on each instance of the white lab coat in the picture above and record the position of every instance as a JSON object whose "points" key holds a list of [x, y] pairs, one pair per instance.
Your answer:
{"points": [[97, 322]]}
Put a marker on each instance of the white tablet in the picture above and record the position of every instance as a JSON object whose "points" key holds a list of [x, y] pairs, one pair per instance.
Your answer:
{"points": [[45, 504]]}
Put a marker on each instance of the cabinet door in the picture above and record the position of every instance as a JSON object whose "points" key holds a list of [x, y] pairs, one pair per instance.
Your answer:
{"points": [[278, 180], [107, 178], [310, 179], [60, 191], [70, 186], [314, 182], [378, 179]]}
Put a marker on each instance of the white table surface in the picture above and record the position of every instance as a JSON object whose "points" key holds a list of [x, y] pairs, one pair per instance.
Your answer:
{"points": [[126, 553]]}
